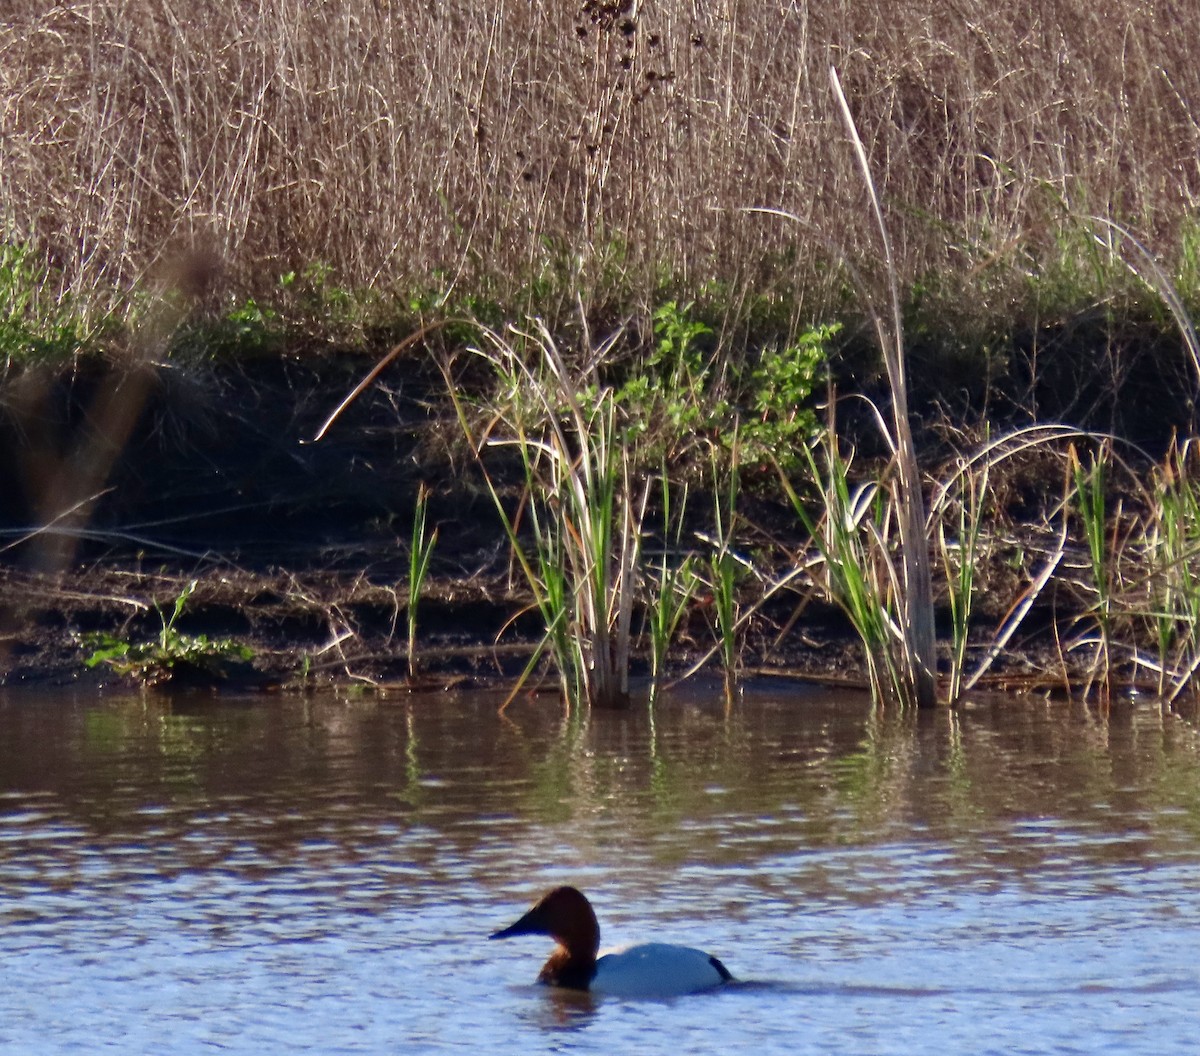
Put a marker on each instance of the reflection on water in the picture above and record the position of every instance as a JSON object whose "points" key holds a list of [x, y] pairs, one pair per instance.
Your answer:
{"points": [[188, 875]]}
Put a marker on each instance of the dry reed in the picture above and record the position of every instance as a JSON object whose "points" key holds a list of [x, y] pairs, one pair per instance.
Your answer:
{"points": [[414, 146]]}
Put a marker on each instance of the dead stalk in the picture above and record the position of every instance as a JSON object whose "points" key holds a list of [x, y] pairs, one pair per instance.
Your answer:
{"points": [[920, 653]]}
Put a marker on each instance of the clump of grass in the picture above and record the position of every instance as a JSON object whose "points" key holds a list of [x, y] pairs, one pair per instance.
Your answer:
{"points": [[725, 572], [1172, 548], [1090, 483], [37, 324], [960, 557], [851, 529], [576, 531], [910, 656], [966, 538]]}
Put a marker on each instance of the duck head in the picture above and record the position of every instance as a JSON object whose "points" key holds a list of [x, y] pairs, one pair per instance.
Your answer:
{"points": [[567, 917]]}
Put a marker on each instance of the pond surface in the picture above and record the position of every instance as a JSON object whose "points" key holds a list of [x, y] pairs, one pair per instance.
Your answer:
{"points": [[320, 875]]}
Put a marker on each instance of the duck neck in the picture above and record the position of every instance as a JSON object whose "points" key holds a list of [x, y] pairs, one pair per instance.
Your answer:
{"points": [[572, 970]]}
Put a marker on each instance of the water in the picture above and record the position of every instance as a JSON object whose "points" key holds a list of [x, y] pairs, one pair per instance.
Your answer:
{"points": [[269, 875]]}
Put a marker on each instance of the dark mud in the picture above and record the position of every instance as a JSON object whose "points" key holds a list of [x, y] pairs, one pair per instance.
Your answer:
{"points": [[312, 627]]}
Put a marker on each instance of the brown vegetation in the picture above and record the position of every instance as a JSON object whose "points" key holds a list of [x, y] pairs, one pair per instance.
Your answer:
{"points": [[415, 146]]}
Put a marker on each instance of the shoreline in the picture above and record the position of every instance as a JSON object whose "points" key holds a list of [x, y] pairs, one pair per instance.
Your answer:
{"points": [[299, 550]]}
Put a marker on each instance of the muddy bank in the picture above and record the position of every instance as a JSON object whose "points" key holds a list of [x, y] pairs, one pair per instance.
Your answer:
{"points": [[300, 550], [316, 627]]}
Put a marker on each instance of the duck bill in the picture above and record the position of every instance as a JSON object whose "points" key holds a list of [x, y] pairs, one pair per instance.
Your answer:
{"points": [[527, 925]]}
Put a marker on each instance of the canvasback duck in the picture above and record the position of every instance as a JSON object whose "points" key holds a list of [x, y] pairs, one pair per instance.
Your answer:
{"points": [[652, 969]]}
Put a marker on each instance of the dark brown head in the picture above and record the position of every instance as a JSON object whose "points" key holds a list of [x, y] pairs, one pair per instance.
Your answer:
{"points": [[567, 917]]}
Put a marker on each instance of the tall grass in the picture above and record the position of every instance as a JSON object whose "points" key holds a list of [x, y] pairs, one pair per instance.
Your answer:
{"points": [[1173, 546], [576, 529], [671, 582], [544, 151], [412, 147], [1090, 482], [419, 556], [726, 570], [960, 554], [35, 323], [851, 527]]}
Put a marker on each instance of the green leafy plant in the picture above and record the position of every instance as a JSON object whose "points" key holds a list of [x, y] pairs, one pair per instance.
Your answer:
{"points": [[672, 391], [315, 288], [161, 659], [782, 417], [252, 326], [682, 392]]}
